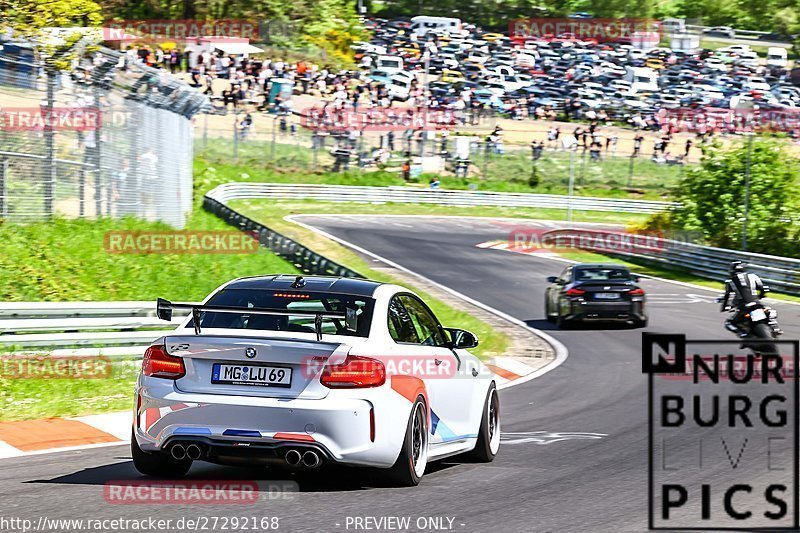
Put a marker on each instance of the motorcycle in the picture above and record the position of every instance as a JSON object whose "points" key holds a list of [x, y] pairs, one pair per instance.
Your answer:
{"points": [[759, 322]]}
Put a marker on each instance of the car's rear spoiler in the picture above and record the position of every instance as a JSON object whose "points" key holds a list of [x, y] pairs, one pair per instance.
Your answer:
{"points": [[164, 310]]}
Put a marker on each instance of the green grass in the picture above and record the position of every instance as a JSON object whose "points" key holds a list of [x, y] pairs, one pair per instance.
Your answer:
{"points": [[26, 399], [67, 260]]}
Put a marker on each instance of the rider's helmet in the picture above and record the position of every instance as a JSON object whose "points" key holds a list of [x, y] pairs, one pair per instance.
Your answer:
{"points": [[737, 267]]}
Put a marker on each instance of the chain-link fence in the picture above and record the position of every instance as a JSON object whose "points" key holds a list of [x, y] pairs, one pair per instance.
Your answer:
{"points": [[106, 138], [524, 155]]}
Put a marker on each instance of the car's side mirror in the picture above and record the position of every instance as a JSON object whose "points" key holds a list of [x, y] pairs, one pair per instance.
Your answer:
{"points": [[461, 338], [552, 279]]}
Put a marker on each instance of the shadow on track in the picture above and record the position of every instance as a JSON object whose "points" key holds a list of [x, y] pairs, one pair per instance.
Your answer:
{"points": [[325, 479], [544, 325]]}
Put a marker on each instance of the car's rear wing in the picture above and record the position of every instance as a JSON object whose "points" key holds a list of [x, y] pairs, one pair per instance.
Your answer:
{"points": [[164, 310]]}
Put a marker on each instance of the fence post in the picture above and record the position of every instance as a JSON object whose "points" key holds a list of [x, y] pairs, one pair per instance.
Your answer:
{"points": [[235, 141], [630, 171], [571, 182], [205, 131], [3, 188], [50, 146], [274, 125]]}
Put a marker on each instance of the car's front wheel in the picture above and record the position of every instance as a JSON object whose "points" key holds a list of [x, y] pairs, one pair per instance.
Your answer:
{"points": [[489, 432], [157, 465], [410, 465]]}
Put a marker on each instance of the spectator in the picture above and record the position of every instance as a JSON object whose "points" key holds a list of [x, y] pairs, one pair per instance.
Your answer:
{"points": [[406, 169]]}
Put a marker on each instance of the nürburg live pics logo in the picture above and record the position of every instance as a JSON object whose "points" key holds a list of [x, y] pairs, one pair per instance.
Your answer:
{"points": [[723, 434]]}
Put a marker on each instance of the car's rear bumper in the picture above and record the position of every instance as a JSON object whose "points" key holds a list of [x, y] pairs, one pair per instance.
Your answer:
{"points": [[342, 427], [622, 311]]}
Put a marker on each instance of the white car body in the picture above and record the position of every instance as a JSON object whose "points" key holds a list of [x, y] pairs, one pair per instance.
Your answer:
{"points": [[390, 64], [758, 84], [362, 426], [777, 57], [422, 25], [399, 86]]}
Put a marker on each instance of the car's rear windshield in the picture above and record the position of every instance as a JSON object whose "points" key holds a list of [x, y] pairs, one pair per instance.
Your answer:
{"points": [[290, 300], [602, 274]]}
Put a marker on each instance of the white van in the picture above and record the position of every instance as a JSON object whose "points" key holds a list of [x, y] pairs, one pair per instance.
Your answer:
{"points": [[777, 57], [643, 79], [390, 64], [421, 26], [671, 26]]}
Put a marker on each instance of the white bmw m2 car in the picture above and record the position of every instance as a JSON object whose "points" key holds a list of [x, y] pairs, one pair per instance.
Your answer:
{"points": [[305, 371]]}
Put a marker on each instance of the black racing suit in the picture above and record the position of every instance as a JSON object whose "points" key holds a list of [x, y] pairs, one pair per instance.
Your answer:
{"points": [[743, 288]]}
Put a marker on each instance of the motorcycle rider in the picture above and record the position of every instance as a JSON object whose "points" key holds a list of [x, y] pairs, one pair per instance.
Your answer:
{"points": [[743, 288]]}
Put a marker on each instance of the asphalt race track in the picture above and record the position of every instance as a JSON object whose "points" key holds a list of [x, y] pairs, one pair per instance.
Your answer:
{"points": [[575, 450]]}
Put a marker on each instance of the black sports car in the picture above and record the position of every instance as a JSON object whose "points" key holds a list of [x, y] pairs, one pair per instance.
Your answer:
{"points": [[595, 292]]}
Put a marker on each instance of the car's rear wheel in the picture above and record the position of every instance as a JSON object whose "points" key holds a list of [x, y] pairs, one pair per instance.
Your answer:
{"points": [[547, 314], [489, 432], [410, 465], [640, 323], [156, 464], [562, 322]]}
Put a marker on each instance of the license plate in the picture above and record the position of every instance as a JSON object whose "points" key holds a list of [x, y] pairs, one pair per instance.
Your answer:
{"points": [[758, 315], [255, 375], [606, 296]]}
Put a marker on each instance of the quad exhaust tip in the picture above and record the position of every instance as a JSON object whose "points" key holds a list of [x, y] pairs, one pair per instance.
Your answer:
{"points": [[311, 459], [194, 452], [293, 457], [178, 452]]}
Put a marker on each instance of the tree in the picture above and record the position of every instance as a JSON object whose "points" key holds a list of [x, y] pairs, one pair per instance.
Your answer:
{"points": [[712, 198], [30, 17]]}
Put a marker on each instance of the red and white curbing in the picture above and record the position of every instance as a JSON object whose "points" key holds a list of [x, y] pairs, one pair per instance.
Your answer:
{"points": [[509, 247]]}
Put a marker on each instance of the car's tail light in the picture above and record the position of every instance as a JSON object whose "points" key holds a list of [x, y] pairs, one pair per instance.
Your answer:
{"points": [[159, 364], [576, 292], [354, 372], [636, 292]]}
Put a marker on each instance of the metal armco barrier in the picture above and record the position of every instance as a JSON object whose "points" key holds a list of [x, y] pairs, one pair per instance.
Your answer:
{"points": [[28, 325], [303, 258], [782, 274], [345, 193]]}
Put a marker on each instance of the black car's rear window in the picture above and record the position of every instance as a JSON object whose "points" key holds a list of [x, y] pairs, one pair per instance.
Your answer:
{"points": [[602, 274], [290, 300]]}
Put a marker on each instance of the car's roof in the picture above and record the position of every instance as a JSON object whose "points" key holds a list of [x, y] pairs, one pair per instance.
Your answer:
{"points": [[599, 265], [334, 284]]}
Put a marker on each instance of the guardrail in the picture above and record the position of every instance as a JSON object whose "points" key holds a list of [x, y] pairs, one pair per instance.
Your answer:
{"points": [[28, 325], [222, 194], [782, 274]]}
